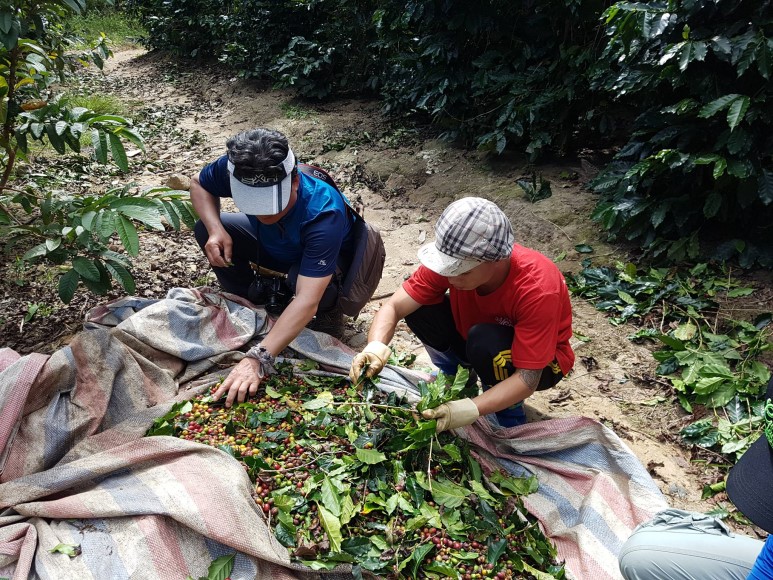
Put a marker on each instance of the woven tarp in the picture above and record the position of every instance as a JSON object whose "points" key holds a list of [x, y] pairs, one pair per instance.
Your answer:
{"points": [[76, 468]]}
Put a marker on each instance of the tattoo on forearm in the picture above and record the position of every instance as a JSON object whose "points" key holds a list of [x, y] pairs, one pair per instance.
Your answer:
{"points": [[530, 377]]}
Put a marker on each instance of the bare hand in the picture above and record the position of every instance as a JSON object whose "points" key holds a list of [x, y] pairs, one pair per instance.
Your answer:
{"points": [[244, 379], [219, 249]]}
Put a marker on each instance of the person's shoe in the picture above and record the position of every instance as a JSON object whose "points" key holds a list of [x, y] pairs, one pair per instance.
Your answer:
{"points": [[330, 322]]}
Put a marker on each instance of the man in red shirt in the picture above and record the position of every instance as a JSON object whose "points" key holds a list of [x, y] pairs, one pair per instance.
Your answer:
{"points": [[480, 301]]}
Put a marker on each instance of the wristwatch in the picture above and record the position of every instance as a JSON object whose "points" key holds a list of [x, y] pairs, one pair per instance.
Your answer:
{"points": [[265, 358]]}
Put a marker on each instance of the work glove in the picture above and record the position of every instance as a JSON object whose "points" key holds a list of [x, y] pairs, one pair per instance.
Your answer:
{"points": [[374, 357], [453, 414]]}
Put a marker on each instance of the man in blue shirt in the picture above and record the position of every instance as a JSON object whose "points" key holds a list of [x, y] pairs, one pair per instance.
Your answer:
{"points": [[679, 545], [288, 222]]}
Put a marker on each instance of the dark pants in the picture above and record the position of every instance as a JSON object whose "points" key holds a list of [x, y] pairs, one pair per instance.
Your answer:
{"points": [[487, 350], [238, 278]]}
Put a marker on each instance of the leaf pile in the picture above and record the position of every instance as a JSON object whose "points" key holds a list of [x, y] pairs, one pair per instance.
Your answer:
{"points": [[348, 477], [705, 366]]}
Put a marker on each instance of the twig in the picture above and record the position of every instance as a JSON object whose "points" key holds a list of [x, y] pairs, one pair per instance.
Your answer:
{"points": [[714, 453], [378, 405], [380, 296], [429, 465], [284, 469]]}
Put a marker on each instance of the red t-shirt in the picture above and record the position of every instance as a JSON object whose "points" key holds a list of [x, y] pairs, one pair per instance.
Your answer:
{"points": [[533, 299]]}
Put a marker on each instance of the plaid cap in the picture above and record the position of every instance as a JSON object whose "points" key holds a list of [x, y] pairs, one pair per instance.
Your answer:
{"points": [[262, 192], [470, 231], [750, 482]]}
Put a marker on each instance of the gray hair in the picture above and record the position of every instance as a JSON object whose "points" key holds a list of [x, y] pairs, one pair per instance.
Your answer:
{"points": [[258, 150]]}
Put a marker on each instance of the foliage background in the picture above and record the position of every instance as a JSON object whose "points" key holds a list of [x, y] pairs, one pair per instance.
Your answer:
{"points": [[680, 87]]}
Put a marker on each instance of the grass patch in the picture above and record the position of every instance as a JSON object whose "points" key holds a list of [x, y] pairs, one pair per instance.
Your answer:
{"points": [[102, 104], [293, 110], [123, 30]]}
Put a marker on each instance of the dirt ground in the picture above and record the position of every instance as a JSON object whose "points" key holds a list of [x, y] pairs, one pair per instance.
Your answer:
{"points": [[405, 178]]}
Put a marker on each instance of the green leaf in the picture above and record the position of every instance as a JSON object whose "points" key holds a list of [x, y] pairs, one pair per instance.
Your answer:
{"points": [[133, 209], [85, 268], [765, 183], [99, 141], [128, 234], [357, 546], [370, 456], [122, 275], [715, 106], [68, 283], [737, 111], [627, 298], [712, 204], [35, 252], [443, 570], [284, 535], [719, 167], [132, 136], [332, 527], [495, 550], [516, 485], [583, 249], [6, 19], [538, 574], [453, 451], [449, 494], [481, 492], [105, 223], [329, 496], [419, 553], [685, 331], [71, 550], [391, 503], [119, 153], [186, 211], [55, 139], [323, 400], [74, 5], [170, 212], [221, 568]]}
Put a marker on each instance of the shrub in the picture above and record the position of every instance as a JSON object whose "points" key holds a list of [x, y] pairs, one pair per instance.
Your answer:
{"points": [[699, 158], [66, 228]]}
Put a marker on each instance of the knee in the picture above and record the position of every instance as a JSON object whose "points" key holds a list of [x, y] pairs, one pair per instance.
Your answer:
{"points": [[487, 340]]}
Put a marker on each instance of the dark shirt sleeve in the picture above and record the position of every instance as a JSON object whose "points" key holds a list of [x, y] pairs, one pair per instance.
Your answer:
{"points": [[322, 238], [214, 178]]}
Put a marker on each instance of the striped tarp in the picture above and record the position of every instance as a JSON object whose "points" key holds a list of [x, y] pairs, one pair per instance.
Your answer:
{"points": [[77, 470], [592, 489]]}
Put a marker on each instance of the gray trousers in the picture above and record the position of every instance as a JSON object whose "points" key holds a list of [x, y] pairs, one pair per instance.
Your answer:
{"points": [[680, 545]]}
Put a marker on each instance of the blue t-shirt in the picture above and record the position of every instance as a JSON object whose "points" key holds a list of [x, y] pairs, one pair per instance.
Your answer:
{"points": [[763, 566], [315, 233]]}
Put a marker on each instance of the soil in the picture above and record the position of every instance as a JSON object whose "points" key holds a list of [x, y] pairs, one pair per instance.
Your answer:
{"points": [[405, 177]]}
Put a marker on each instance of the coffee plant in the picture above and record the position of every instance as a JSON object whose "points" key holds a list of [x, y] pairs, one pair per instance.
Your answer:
{"points": [[358, 477], [491, 73], [699, 158], [55, 226], [709, 366], [682, 86]]}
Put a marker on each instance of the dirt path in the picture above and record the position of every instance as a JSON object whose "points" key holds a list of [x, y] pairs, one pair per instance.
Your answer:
{"points": [[405, 180]]}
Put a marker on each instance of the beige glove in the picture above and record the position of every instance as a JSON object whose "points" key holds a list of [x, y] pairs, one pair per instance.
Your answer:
{"points": [[374, 356], [453, 414]]}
